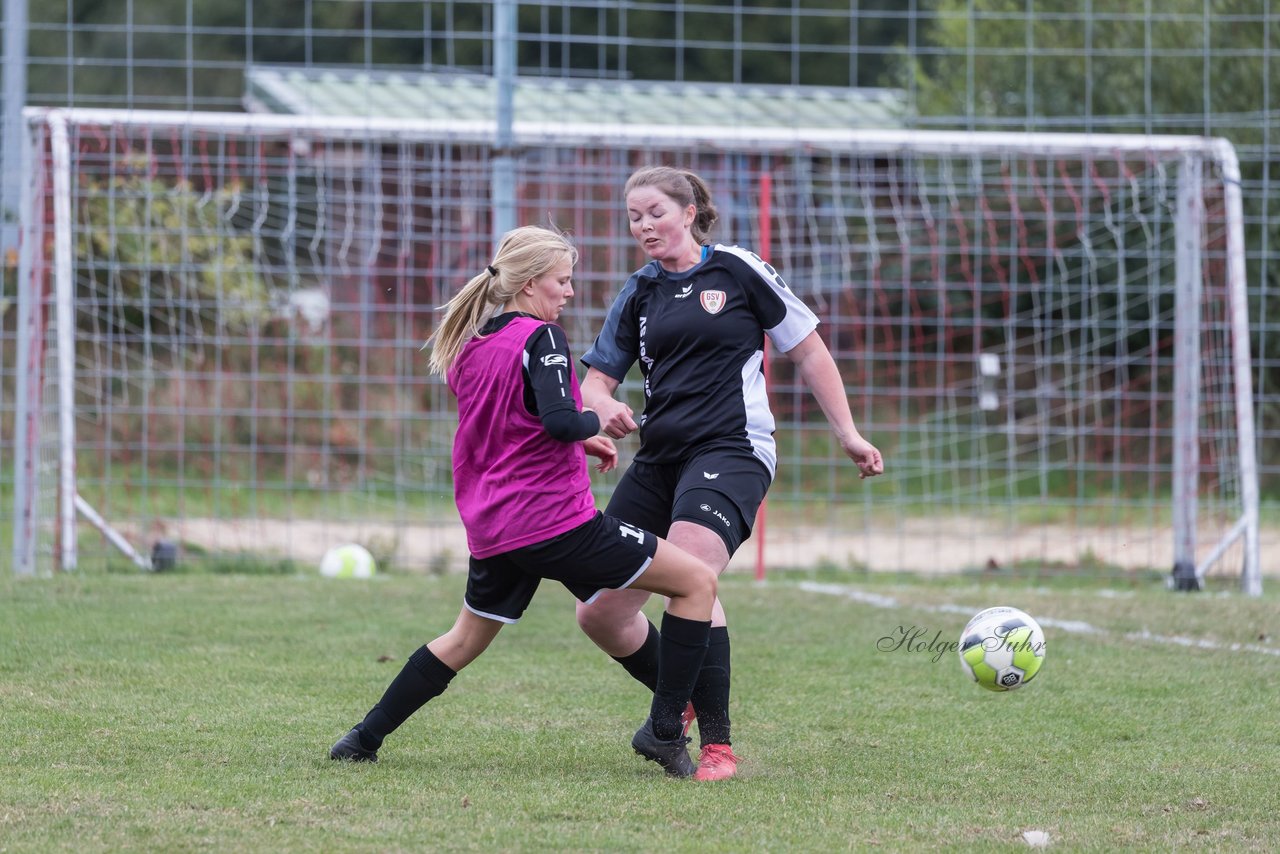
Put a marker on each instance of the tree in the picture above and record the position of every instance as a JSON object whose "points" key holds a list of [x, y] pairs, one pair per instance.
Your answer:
{"points": [[162, 262], [1168, 67], [1114, 66], [203, 47]]}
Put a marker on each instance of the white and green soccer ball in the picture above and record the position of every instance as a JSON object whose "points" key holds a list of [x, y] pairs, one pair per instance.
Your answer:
{"points": [[1002, 648], [348, 561]]}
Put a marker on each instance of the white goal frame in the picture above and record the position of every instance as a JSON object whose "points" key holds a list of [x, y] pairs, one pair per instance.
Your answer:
{"points": [[1195, 151]]}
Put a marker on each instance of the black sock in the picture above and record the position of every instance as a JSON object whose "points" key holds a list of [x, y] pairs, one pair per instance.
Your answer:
{"points": [[643, 663], [423, 677], [711, 693], [683, 644]]}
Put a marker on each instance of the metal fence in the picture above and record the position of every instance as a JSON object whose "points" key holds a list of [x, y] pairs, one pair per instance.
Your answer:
{"points": [[1182, 67]]}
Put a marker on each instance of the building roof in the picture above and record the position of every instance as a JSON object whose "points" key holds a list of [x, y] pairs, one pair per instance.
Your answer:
{"points": [[439, 96]]}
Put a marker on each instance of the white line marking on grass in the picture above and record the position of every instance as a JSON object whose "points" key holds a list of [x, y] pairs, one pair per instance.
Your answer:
{"points": [[1200, 643], [1079, 627]]}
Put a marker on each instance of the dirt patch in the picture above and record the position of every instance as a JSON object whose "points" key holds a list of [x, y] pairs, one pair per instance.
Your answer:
{"points": [[941, 545]]}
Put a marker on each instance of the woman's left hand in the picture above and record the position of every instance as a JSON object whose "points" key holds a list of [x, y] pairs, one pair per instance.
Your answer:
{"points": [[865, 454], [603, 449]]}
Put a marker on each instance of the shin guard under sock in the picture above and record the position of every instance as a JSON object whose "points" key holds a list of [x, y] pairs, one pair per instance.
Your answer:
{"points": [[643, 663], [711, 692], [422, 678], [683, 644]]}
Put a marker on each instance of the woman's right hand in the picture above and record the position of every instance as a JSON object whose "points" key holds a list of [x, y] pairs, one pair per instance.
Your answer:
{"points": [[615, 418]]}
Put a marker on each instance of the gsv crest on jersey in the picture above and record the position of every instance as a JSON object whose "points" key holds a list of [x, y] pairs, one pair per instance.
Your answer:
{"points": [[712, 301]]}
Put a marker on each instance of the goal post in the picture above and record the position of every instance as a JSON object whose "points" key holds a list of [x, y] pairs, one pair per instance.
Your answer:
{"points": [[27, 511], [1048, 334], [43, 316]]}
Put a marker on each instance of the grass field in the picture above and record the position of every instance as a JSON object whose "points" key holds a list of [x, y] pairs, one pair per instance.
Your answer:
{"points": [[194, 711]]}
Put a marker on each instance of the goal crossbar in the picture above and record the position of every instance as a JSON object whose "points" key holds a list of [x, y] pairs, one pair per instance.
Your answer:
{"points": [[751, 138]]}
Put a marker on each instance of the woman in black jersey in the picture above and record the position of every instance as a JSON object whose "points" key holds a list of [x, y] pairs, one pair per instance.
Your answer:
{"points": [[695, 317]]}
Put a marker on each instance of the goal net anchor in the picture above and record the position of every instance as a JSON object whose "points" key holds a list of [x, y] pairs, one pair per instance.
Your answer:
{"points": [[113, 536]]}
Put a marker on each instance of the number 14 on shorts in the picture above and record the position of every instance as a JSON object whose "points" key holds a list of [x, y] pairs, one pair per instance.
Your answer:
{"points": [[625, 530]]}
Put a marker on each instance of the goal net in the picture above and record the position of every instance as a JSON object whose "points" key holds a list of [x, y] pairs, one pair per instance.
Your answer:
{"points": [[221, 317]]}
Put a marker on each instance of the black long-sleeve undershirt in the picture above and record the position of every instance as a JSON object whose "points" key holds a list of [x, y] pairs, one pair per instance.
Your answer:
{"points": [[547, 390]]}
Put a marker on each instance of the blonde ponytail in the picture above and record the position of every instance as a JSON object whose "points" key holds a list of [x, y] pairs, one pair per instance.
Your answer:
{"points": [[524, 254]]}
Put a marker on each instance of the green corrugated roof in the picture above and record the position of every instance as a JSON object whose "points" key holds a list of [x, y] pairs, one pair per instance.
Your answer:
{"points": [[448, 96]]}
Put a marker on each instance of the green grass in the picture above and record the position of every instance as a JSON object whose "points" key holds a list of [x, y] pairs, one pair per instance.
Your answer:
{"points": [[194, 711]]}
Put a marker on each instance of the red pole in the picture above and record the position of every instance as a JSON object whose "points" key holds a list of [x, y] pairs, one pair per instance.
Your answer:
{"points": [[766, 237]]}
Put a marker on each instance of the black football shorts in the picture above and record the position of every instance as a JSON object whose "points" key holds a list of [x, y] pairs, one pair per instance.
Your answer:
{"points": [[717, 487], [604, 553]]}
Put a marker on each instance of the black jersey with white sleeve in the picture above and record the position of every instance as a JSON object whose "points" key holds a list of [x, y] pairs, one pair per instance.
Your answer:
{"points": [[699, 338]]}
